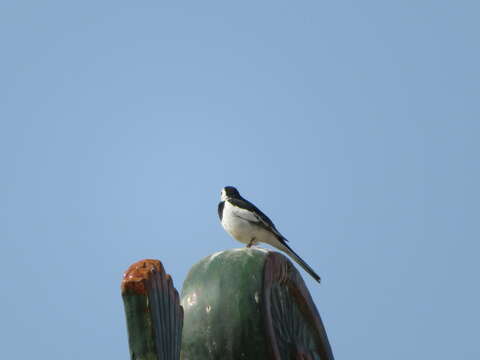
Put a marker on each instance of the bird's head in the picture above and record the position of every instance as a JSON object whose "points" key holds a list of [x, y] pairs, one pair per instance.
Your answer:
{"points": [[229, 192]]}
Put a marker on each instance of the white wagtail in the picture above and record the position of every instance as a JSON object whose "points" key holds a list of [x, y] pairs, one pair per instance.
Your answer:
{"points": [[247, 224]]}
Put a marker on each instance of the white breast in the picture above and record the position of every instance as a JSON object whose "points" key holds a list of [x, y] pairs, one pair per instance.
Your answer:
{"points": [[240, 224], [233, 221]]}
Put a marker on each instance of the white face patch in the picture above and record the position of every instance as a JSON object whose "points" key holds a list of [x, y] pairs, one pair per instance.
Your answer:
{"points": [[223, 195]]}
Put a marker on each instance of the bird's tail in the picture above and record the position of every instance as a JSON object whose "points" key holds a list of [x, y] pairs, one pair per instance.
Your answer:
{"points": [[284, 247]]}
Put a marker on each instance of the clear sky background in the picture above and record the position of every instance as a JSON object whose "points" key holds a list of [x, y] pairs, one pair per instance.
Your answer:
{"points": [[353, 125]]}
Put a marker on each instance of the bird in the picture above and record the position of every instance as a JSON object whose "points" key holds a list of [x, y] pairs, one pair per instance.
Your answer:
{"points": [[248, 224]]}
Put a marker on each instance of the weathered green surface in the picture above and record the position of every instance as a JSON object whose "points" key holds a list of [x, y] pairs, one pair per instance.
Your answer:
{"points": [[221, 298], [141, 339]]}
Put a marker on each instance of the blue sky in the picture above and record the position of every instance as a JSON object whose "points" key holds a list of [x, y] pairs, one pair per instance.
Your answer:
{"points": [[353, 125]]}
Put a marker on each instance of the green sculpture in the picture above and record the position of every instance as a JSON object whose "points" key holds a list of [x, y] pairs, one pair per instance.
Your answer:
{"points": [[246, 303], [154, 315], [250, 303]]}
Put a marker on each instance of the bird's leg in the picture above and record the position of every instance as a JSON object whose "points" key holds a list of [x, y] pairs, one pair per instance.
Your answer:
{"points": [[252, 242]]}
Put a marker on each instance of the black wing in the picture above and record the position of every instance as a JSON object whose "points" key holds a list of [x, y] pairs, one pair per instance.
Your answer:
{"points": [[264, 220]]}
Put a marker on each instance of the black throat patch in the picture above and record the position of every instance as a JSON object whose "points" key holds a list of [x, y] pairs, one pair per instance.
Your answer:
{"points": [[220, 209]]}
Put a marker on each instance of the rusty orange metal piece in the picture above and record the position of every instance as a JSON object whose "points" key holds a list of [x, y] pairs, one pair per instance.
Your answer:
{"points": [[137, 275]]}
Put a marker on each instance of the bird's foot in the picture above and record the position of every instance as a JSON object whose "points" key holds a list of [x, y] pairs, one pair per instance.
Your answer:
{"points": [[252, 242]]}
